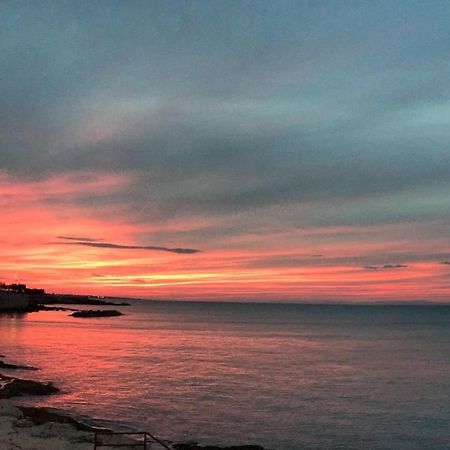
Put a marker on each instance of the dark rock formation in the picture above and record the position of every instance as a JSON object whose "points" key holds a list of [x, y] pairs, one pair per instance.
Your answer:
{"points": [[97, 313], [17, 387], [41, 415], [4, 365], [53, 308]]}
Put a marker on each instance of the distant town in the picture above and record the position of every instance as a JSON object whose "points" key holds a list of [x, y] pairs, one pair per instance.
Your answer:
{"points": [[18, 297]]}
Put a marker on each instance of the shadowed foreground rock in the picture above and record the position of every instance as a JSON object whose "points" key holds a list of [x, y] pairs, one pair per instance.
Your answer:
{"points": [[17, 387], [41, 415], [193, 446]]}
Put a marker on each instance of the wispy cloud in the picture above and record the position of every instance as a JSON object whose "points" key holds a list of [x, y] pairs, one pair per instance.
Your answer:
{"points": [[91, 243], [386, 267], [445, 262], [81, 239]]}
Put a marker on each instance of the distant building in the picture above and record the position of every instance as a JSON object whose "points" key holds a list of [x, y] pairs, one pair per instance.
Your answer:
{"points": [[13, 301]]}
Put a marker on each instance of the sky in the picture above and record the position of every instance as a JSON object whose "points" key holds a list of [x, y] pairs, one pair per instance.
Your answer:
{"points": [[227, 150]]}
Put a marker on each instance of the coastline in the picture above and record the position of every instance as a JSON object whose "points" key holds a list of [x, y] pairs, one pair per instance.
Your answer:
{"points": [[28, 427], [17, 431], [33, 427]]}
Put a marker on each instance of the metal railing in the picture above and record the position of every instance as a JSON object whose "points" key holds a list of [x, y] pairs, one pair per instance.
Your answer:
{"points": [[143, 439]]}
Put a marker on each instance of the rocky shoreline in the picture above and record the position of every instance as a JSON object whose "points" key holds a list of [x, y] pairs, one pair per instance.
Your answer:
{"points": [[35, 428]]}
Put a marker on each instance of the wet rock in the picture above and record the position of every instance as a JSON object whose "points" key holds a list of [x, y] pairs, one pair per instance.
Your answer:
{"points": [[43, 415], [17, 387], [4, 365], [54, 308]]}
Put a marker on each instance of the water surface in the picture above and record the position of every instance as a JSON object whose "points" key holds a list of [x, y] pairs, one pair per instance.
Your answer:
{"points": [[282, 376]]}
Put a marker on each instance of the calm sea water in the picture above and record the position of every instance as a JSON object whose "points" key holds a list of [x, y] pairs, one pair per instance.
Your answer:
{"points": [[282, 376]]}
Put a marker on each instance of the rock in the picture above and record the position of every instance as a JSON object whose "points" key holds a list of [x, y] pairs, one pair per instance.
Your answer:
{"points": [[97, 313], [23, 423], [244, 447], [17, 387], [54, 308], [4, 365], [42, 415], [195, 446], [7, 408]]}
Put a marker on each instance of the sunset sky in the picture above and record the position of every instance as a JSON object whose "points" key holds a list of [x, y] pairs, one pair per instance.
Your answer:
{"points": [[226, 150]]}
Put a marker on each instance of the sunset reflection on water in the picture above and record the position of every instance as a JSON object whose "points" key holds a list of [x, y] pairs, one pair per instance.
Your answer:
{"points": [[228, 373]]}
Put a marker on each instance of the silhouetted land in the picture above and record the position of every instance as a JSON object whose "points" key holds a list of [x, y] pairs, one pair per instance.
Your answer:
{"points": [[38, 299], [73, 299]]}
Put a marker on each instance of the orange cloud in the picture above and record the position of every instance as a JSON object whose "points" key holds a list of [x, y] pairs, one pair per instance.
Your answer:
{"points": [[314, 264]]}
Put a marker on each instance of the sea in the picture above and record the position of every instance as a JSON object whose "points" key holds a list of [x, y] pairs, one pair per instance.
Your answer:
{"points": [[283, 376]]}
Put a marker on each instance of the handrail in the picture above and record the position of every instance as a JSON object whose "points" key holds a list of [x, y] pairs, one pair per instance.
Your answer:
{"points": [[144, 434]]}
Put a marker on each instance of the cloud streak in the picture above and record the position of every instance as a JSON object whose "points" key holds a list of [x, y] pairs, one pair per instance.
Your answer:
{"points": [[81, 239], [110, 245], [386, 267]]}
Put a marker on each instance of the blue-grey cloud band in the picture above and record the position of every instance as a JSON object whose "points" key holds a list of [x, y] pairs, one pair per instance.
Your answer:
{"points": [[301, 110]]}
